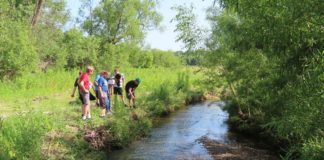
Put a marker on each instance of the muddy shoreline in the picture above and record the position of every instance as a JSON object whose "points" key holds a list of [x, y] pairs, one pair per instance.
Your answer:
{"points": [[222, 151]]}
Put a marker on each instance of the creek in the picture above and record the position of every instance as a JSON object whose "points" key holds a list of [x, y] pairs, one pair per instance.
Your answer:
{"points": [[198, 131]]}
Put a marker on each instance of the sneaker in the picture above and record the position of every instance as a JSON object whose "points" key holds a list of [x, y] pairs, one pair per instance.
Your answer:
{"points": [[88, 116], [84, 117]]}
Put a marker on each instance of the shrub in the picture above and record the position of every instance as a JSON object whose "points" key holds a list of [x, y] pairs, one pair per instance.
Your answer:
{"points": [[17, 53]]}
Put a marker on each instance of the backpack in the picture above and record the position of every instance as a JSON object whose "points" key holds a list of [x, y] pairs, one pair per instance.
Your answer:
{"points": [[118, 79]]}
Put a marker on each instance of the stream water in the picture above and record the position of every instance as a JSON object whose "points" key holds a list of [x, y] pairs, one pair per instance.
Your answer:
{"points": [[176, 136]]}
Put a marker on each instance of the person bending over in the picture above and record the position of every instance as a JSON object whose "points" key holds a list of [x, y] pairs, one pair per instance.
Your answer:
{"points": [[130, 91]]}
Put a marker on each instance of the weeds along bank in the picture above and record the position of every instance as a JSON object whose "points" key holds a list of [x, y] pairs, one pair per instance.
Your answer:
{"points": [[41, 121]]}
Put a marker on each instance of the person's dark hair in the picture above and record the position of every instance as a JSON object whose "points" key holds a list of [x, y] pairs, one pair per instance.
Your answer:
{"points": [[118, 76]]}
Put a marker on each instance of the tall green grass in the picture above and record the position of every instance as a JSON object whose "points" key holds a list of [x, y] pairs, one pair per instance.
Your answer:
{"points": [[22, 135]]}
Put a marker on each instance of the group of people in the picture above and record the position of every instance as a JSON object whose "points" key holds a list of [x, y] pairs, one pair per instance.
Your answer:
{"points": [[105, 85]]}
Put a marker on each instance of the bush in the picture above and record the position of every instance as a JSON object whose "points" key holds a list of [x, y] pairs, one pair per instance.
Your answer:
{"points": [[81, 51], [17, 53]]}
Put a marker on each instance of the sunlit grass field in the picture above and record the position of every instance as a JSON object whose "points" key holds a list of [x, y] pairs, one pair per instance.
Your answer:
{"points": [[51, 91]]}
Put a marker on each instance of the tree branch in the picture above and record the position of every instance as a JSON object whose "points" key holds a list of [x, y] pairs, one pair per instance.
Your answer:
{"points": [[37, 12]]}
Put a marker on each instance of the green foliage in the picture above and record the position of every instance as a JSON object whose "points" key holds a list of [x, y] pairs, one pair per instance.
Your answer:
{"points": [[17, 10], [81, 51], [271, 58], [54, 14], [165, 59], [50, 48], [193, 58], [183, 83], [188, 31], [313, 149], [17, 53], [154, 58], [21, 136], [168, 96], [117, 21]]}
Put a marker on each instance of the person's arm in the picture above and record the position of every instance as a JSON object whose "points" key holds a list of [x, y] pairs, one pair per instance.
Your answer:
{"points": [[100, 89], [74, 89], [95, 83], [131, 92], [111, 89], [82, 87], [124, 80], [75, 86]]}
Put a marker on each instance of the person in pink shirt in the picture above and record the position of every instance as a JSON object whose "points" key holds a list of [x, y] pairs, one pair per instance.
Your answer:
{"points": [[85, 86]]}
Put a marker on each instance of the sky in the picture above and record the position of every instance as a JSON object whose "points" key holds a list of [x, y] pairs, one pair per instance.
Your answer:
{"points": [[165, 40]]}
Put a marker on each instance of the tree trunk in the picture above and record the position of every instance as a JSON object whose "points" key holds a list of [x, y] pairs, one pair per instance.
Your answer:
{"points": [[37, 12]]}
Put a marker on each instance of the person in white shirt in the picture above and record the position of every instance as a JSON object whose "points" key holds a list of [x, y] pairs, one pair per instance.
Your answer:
{"points": [[118, 85]]}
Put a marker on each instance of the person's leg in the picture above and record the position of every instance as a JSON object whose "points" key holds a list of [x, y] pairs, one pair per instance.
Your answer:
{"points": [[110, 104], [111, 92], [128, 96], [116, 96], [82, 104], [107, 105], [122, 98], [87, 108], [102, 106], [133, 99], [120, 92], [85, 102], [97, 98]]}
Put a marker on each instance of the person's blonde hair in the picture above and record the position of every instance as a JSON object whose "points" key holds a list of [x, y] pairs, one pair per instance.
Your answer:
{"points": [[89, 68]]}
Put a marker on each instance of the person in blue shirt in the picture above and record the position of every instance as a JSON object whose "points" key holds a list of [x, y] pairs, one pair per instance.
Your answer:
{"points": [[103, 93]]}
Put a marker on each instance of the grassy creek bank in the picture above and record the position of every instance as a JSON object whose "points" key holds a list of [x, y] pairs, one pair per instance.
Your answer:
{"points": [[107, 139], [41, 121]]}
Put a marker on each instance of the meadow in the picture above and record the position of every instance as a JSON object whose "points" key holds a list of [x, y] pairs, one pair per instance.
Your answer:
{"points": [[40, 120]]}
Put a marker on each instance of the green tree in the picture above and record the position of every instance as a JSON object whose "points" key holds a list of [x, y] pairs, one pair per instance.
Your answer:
{"points": [[189, 32], [117, 21], [49, 35], [269, 54], [17, 51], [81, 50]]}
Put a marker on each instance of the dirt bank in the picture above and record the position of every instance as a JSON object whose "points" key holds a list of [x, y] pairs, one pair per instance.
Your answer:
{"points": [[221, 151]]}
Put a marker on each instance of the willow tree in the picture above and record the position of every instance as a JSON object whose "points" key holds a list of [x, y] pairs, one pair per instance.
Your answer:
{"points": [[271, 54]]}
